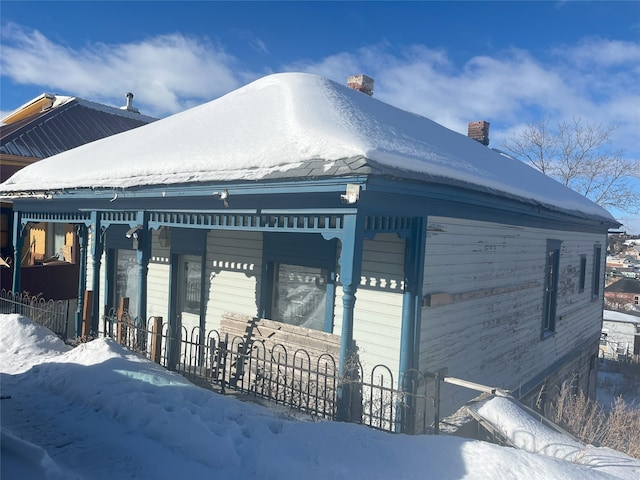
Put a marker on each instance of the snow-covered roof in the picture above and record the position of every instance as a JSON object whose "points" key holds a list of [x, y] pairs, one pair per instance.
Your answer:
{"points": [[613, 316], [278, 123]]}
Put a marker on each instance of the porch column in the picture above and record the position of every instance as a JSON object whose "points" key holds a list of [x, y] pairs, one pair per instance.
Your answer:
{"points": [[83, 240], [350, 270], [143, 254], [18, 243], [97, 248], [410, 328], [411, 302]]}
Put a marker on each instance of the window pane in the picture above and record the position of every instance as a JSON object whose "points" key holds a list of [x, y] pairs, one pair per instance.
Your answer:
{"points": [[190, 281], [300, 295], [127, 279]]}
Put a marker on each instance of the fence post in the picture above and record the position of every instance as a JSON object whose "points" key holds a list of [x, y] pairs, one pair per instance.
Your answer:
{"points": [[156, 340], [122, 308], [87, 313]]}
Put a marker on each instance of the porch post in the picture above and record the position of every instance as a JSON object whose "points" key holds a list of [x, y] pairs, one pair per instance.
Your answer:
{"points": [[350, 270], [83, 240], [411, 302], [18, 243], [143, 255], [97, 248], [410, 330]]}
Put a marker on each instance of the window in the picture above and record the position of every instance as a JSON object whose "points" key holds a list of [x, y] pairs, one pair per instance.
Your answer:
{"points": [[299, 274], [597, 277], [126, 285], [583, 273], [189, 291], [551, 286], [636, 299], [299, 295], [189, 278], [56, 238]]}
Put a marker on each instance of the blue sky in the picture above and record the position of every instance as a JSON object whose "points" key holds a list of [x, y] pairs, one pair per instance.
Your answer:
{"points": [[510, 63]]}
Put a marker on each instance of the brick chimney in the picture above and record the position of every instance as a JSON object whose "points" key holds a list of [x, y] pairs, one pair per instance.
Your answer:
{"points": [[479, 131], [361, 83]]}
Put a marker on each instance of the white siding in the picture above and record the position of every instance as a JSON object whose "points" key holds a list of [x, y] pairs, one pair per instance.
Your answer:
{"points": [[378, 308], [234, 266], [158, 280], [488, 279]]}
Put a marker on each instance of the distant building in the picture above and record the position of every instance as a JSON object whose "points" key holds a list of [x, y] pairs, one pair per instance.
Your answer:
{"points": [[620, 335], [45, 126]]}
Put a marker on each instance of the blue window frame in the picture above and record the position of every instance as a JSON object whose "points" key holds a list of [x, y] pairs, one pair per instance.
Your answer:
{"points": [[551, 287], [299, 280], [583, 273], [597, 272]]}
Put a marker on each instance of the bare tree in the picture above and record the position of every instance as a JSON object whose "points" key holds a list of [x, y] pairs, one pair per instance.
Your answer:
{"points": [[579, 155]]}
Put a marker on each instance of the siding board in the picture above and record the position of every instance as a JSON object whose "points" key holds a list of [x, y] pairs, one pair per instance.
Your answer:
{"points": [[489, 331]]}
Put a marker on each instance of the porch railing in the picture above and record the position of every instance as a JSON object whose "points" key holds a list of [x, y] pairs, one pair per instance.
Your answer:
{"points": [[52, 314], [283, 376]]}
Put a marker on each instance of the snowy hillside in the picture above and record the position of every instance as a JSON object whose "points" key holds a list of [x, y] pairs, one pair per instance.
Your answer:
{"points": [[100, 412]]}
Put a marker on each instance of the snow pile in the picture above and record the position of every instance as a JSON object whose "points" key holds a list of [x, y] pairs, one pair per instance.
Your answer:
{"points": [[529, 434], [101, 412], [275, 124]]}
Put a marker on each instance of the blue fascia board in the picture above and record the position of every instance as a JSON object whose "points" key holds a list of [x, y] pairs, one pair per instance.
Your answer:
{"points": [[323, 185], [380, 195]]}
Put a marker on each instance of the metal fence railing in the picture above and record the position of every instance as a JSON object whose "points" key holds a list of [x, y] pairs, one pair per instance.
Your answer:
{"points": [[283, 376], [52, 314]]}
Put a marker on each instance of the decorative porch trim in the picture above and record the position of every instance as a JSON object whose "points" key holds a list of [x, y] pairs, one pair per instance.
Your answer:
{"points": [[56, 217]]}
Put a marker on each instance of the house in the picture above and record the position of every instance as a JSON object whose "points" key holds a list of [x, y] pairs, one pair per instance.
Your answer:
{"points": [[45, 126], [302, 201], [620, 335], [623, 294]]}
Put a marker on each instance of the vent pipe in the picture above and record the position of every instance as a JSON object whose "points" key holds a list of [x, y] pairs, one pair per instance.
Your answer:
{"points": [[129, 106]]}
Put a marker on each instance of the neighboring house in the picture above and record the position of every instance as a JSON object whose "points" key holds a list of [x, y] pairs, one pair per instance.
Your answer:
{"points": [[303, 201], [43, 127], [620, 335], [623, 294]]}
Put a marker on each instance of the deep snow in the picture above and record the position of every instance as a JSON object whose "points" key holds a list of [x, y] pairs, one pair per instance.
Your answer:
{"points": [[98, 411]]}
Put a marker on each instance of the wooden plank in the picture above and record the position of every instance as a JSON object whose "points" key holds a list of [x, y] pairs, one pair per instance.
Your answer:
{"points": [[292, 337]]}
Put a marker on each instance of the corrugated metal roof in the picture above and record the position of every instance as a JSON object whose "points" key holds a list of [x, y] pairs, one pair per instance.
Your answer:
{"points": [[70, 125]]}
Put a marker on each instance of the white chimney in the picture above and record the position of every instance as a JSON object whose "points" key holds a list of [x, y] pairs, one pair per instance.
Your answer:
{"points": [[129, 106], [362, 83]]}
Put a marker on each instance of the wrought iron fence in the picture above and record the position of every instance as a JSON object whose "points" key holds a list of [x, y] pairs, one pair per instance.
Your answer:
{"points": [[283, 376], [52, 314]]}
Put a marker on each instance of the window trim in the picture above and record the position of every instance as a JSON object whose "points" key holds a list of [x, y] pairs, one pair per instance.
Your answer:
{"points": [[596, 277], [582, 279], [551, 280], [306, 250]]}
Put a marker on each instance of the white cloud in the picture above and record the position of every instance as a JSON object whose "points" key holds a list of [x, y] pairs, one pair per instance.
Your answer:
{"points": [[594, 79], [167, 73], [508, 88]]}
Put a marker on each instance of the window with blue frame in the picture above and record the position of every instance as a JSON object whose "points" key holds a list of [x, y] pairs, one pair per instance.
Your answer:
{"points": [[597, 272], [583, 273], [300, 295], [299, 274], [551, 287]]}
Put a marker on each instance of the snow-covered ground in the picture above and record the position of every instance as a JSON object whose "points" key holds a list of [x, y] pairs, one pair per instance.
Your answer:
{"points": [[99, 411]]}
